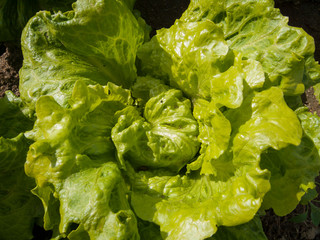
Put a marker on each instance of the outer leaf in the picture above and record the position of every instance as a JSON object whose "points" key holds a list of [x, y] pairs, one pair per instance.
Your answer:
{"points": [[13, 118], [147, 187], [309, 196], [310, 123], [192, 206], [65, 138], [299, 218], [315, 214], [96, 43], [293, 170], [204, 55], [258, 30], [68, 141], [96, 199], [268, 111], [251, 230], [19, 207]]}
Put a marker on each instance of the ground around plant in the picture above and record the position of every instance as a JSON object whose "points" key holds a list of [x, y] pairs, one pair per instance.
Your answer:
{"points": [[305, 14]]}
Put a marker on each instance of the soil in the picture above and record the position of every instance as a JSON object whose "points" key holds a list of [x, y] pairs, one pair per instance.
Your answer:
{"points": [[10, 63], [158, 14]]}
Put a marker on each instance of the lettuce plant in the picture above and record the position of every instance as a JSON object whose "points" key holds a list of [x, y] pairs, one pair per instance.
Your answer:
{"points": [[189, 135]]}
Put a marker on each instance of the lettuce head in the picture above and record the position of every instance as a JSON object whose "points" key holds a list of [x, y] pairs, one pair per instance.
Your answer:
{"points": [[191, 134]]}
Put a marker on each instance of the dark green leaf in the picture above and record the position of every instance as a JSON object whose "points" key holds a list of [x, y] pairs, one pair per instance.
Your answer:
{"points": [[315, 214], [299, 218], [309, 196]]}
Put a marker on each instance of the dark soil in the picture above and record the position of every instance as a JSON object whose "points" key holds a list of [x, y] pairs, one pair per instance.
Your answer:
{"points": [[305, 14], [10, 63], [159, 14]]}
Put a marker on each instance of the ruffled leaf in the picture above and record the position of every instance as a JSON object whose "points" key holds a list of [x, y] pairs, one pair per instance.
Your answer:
{"points": [[96, 42]]}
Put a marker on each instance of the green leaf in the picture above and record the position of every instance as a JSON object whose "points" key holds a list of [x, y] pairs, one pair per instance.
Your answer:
{"points": [[14, 117], [293, 171], [196, 59], [205, 67], [96, 200], [69, 162], [316, 89], [310, 195], [294, 168], [70, 139], [165, 137], [268, 111], [153, 60], [146, 87], [258, 30], [96, 42], [19, 208], [51, 216], [310, 122], [214, 135], [299, 218], [251, 230], [315, 214], [193, 206], [188, 142], [204, 55], [149, 230]]}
